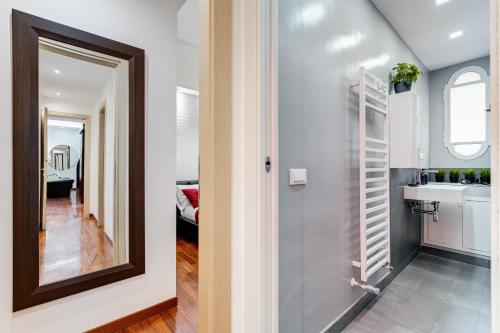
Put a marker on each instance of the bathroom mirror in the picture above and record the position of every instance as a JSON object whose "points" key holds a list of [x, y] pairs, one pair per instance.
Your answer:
{"points": [[63, 157], [78, 193]]}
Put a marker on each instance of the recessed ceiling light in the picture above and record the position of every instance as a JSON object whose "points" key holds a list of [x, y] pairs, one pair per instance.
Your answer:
{"points": [[456, 34], [58, 93], [440, 2], [57, 71]]}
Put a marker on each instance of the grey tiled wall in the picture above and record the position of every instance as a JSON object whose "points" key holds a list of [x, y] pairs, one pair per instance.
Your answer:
{"points": [[405, 227]]}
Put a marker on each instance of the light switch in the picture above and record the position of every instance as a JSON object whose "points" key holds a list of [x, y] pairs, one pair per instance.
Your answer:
{"points": [[298, 176]]}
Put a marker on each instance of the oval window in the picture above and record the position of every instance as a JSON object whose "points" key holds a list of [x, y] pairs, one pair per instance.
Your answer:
{"points": [[466, 118]]}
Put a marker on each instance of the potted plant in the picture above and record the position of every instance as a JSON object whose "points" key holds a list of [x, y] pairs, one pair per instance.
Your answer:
{"points": [[439, 175], [403, 76], [454, 175], [470, 175], [485, 176]]}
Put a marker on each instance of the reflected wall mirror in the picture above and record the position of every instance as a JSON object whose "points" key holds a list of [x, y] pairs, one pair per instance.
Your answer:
{"points": [[63, 157], [78, 113]]}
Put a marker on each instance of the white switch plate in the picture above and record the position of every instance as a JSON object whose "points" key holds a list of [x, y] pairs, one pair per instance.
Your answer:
{"points": [[298, 176]]}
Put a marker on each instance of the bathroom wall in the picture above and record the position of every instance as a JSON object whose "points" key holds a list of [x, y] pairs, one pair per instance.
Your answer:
{"points": [[405, 227], [440, 156], [322, 44], [153, 29]]}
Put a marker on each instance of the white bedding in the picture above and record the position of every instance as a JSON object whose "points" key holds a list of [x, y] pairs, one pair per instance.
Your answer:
{"points": [[185, 207], [190, 213]]}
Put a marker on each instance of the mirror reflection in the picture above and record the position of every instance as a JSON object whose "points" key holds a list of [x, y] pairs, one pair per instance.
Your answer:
{"points": [[83, 99], [63, 157]]}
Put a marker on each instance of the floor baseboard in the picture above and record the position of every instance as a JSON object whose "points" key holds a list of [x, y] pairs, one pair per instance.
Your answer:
{"points": [[467, 259], [363, 302], [134, 318]]}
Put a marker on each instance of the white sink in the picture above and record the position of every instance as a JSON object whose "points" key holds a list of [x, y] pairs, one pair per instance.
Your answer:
{"points": [[478, 193], [452, 193]]}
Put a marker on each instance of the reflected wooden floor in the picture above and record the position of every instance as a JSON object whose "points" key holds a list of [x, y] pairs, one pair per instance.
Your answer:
{"points": [[71, 245], [183, 318]]}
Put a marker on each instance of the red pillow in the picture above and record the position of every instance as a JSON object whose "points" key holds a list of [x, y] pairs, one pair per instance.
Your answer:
{"points": [[192, 195]]}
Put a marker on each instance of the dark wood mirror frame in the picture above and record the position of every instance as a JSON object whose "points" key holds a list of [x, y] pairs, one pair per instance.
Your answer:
{"points": [[26, 29]]}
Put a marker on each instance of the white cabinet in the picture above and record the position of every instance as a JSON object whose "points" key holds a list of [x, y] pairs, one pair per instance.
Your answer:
{"points": [[463, 227], [404, 130], [476, 226], [447, 231]]}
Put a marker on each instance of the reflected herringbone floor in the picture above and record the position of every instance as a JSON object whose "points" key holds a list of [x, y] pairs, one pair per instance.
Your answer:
{"points": [[71, 245]]}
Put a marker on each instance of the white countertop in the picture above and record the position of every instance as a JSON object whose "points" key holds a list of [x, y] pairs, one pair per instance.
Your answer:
{"points": [[447, 192]]}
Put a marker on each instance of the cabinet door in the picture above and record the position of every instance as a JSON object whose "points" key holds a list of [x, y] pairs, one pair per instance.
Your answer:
{"points": [[404, 128], [476, 226], [447, 231]]}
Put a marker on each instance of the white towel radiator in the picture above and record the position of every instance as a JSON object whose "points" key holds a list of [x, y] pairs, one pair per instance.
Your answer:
{"points": [[374, 175]]}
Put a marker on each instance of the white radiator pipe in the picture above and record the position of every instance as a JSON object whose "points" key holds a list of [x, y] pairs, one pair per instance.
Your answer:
{"points": [[366, 287]]}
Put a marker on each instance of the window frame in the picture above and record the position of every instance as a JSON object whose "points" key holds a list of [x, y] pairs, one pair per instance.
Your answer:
{"points": [[484, 78]]}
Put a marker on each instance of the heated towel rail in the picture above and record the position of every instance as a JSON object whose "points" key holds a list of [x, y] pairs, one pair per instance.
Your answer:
{"points": [[374, 175]]}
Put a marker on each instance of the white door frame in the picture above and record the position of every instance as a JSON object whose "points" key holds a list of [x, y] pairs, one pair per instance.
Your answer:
{"points": [[86, 119], [495, 165], [255, 191]]}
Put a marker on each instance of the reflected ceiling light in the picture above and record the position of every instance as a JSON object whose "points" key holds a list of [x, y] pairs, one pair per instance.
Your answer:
{"points": [[344, 42], [57, 71], [440, 2], [308, 16], [456, 34], [58, 93], [64, 123], [376, 62]]}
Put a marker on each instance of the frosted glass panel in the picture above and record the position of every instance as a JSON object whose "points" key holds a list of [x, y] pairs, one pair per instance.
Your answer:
{"points": [[468, 77], [467, 150], [467, 113]]}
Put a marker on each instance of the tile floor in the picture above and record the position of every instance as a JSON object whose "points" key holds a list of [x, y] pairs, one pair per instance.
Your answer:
{"points": [[433, 295]]}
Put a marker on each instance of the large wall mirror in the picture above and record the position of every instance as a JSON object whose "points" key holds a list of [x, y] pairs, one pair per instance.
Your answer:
{"points": [[78, 160]]}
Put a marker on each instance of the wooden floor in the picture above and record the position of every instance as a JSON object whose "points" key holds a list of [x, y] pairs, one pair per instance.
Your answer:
{"points": [[71, 245], [183, 318]]}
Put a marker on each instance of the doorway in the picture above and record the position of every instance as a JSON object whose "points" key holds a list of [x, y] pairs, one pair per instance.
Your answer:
{"points": [[65, 148]]}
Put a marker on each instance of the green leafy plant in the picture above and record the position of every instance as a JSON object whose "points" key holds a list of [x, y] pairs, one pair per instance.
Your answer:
{"points": [[407, 73], [440, 172], [470, 173], [455, 172], [485, 172]]}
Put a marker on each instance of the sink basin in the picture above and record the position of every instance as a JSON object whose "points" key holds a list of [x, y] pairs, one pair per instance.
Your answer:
{"points": [[477, 193], [452, 193]]}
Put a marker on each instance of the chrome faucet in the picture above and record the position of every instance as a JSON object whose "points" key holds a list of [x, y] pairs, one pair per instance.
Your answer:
{"points": [[418, 178]]}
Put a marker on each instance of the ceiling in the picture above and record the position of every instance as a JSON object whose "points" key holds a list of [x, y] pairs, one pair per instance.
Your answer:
{"points": [[78, 81], [65, 123], [188, 19], [426, 28]]}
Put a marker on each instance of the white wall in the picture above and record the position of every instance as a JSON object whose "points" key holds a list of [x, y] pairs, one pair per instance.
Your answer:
{"points": [[64, 136], [187, 65], [154, 29], [107, 98], [188, 22]]}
